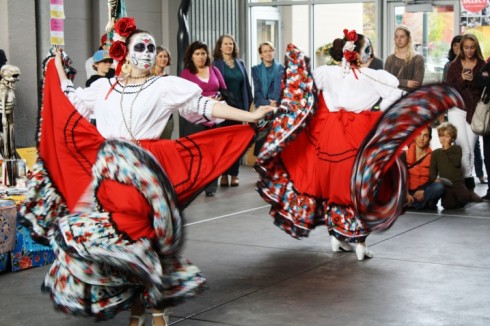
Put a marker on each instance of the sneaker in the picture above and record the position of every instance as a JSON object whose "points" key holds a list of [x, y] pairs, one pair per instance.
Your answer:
{"points": [[483, 180]]}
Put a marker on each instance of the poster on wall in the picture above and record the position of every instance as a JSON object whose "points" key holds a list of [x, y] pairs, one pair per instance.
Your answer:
{"points": [[474, 13]]}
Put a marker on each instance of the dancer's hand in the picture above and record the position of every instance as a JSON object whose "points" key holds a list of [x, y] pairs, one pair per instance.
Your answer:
{"points": [[262, 111], [58, 62]]}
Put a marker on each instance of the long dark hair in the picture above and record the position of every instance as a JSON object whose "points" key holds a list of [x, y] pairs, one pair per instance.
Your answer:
{"points": [[451, 55], [217, 49], [188, 63]]}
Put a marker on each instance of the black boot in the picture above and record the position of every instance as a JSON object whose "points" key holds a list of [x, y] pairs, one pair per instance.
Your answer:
{"points": [[470, 184]]}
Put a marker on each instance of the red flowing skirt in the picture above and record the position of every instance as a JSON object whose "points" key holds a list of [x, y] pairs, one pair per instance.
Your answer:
{"points": [[320, 160], [68, 145]]}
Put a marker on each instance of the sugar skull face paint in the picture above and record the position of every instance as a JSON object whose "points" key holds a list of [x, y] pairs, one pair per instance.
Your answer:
{"points": [[366, 51], [142, 51]]}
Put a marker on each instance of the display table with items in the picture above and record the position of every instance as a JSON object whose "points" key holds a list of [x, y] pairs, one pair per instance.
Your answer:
{"points": [[17, 249]]}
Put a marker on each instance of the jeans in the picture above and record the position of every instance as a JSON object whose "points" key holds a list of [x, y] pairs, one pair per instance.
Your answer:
{"points": [[486, 156], [432, 192], [478, 159]]}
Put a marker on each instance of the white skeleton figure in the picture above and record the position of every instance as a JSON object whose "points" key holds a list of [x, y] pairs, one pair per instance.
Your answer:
{"points": [[113, 6], [10, 74]]}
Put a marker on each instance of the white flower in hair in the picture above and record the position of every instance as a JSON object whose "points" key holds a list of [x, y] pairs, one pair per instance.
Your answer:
{"points": [[349, 46], [118, 37]]}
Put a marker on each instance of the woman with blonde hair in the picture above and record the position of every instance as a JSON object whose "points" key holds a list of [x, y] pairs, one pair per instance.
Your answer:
{"points": [[405, 64], [468, 62], [162, 60]]}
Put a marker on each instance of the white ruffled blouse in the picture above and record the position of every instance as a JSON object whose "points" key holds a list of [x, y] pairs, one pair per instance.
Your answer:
{"points": [[142, 111], [356, 94]]}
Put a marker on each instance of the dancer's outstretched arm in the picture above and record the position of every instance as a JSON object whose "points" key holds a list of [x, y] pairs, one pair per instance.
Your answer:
{"points": [[223, 111]]}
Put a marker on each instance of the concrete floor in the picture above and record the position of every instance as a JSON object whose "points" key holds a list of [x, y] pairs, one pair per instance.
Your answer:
{"points": [[430, 268]]}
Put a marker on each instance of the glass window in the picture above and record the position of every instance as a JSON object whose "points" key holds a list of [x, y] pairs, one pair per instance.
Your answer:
{"points": [[331, 19], [279, 25]]}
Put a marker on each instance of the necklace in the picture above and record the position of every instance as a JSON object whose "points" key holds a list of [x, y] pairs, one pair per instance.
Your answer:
{"points": [[230, 62], [128, 124], [374, 79], [139, 77]]}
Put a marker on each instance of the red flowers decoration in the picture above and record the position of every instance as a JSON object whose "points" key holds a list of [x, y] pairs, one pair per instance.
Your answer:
{"points": [[350, 56], [350, 36], [118, 50], [125, 26]]}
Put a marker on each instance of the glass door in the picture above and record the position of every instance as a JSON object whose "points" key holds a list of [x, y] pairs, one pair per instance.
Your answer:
{"points": [[432, 25]]}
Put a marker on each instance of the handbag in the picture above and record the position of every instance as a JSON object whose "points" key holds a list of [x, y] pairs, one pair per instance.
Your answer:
{"points": [[480, 122]]}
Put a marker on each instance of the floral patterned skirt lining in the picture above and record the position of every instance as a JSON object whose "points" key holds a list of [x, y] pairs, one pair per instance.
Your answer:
{"points": [[339, 169]]}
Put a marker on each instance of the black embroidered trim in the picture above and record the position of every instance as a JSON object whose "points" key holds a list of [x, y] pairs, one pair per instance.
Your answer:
{"points": [[146, 84], [192, 155], [70, 140]]}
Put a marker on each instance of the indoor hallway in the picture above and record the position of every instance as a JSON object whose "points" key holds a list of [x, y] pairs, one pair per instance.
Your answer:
{"points": [[430, 268]]}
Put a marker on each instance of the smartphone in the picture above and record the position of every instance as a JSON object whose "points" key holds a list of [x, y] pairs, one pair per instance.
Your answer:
{"points": [[467, 70]]}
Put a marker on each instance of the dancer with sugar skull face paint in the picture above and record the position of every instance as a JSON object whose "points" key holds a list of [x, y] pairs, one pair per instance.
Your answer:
{"points": [[109, 198], [330, 160]]}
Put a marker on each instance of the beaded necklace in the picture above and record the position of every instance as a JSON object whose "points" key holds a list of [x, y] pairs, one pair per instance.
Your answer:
{"points": [[128, 124]]}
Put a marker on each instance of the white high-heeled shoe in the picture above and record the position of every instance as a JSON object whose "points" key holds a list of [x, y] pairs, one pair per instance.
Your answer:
{"points": [[363, 252], [163, 314], [141, 319], [338, 245]]}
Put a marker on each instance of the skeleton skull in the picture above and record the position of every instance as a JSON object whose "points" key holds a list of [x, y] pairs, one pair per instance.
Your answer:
{"points": [[10, 74]]}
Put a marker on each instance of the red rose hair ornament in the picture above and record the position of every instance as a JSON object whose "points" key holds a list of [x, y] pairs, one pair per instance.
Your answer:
{"points": [[350, 56]]}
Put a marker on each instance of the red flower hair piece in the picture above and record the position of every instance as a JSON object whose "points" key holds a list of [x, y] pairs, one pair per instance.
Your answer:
{"points": [[118, 50], [350, 36], [125, 26]]}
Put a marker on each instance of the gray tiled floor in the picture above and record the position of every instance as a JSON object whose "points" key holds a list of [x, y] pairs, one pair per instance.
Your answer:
{"points": [[430, 268]]}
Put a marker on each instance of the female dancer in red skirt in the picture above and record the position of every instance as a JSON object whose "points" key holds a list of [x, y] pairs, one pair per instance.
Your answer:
{"points": [[335, 163], [109, 198]]}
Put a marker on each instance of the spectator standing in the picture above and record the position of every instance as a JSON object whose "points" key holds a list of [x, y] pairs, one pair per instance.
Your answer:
{"points": [[422, 193], [405, 64], [234, 72], [198, 69], [162, 60], [460, 76], [482, 78], [452, 54], [267, 80], [102, 65], [105, 44]]}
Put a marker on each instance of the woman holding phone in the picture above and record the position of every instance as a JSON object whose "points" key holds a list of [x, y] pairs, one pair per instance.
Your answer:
{"points": [[468, 62]]}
